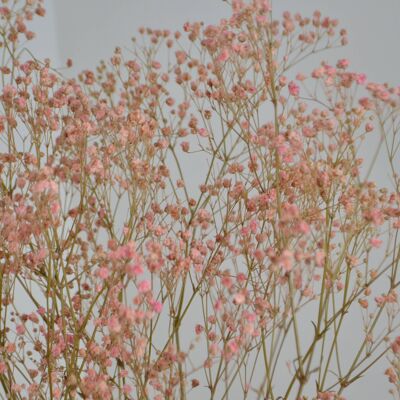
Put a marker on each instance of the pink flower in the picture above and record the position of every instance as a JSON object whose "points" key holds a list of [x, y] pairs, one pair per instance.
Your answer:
{"points": [[286, 260], [218, 305], [396, 345], [127, 389], [375, 216], [303, 227], [253, 226], [10, 348], [20, 329], [198, 329], [375, 242], [203, 132], [294, 89], [318, 73], [223, 56], [366, 103], [144, 286], [9, 91], [4, 11], [180, 57], [259, 255], [134, 270], [339, 285], [343, 63], [21, 103], [233, 346], [114, 325], [369, 127], [282, 81], [380, 300], [185, 146], [300, 77], [157, 306], [326, 395], [103, 273], [391, 374], [45, 185], [361, 79], [320, 258], [239, 298], [55, 207]]}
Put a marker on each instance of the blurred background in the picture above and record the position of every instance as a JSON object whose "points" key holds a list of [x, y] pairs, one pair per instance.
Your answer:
{"points": [[89, 30]]}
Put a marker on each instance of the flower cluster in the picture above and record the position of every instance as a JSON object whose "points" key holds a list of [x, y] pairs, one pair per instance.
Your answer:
{"points": [[122, 276]]}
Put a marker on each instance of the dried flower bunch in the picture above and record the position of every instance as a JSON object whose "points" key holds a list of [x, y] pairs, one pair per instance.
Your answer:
{"points": [[120, 279]]}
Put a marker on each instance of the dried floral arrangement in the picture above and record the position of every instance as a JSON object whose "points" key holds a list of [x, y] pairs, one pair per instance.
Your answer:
{"points": [[120, 279]]}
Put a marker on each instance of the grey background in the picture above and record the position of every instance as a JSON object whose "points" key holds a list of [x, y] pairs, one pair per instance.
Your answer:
{"points": [[89, 30]]}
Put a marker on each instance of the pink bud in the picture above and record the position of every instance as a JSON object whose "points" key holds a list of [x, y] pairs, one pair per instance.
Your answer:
{"points": [[103, 273], [369, 127], [375, 242], [294, 89], [144, 286], [223, 56]]}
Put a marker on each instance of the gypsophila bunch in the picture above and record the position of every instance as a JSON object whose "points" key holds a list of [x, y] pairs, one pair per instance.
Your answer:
{"points": [[194, 219]]}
